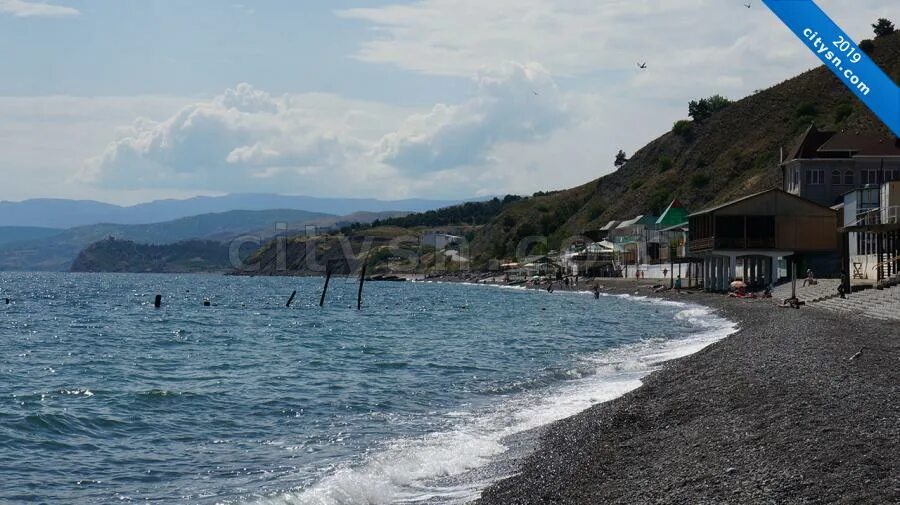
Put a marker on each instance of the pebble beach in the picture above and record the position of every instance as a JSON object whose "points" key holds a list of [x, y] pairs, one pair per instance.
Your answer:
{"points": [[799, 406]]}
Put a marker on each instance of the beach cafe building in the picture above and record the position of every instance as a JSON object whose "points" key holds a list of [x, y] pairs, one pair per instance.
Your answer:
{"points": [[746, 238], [872, 227]]}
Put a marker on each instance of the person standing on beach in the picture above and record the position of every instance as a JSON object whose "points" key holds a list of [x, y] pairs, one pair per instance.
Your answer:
{"points": [[678, 284]]}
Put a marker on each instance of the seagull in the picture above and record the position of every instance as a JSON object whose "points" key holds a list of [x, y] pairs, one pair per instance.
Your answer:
{"points": [[642, 66], [535, 93], [748, 5]]}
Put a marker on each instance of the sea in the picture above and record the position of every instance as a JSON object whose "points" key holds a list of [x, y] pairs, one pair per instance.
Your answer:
{"points": [[413, 399]]}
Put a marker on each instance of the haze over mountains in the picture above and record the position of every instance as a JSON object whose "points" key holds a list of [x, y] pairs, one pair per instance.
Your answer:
{"points": [[47, 234], [58, 213]]}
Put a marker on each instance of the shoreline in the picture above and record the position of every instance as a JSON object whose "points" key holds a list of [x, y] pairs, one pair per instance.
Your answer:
{"points": [[777, 412]]}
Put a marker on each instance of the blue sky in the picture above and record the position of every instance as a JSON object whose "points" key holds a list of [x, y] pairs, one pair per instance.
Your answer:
{"points": [[130, 100], [131, 47]]}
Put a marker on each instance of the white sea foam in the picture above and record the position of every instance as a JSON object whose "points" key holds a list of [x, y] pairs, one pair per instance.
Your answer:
{"points": [[423, 469]]}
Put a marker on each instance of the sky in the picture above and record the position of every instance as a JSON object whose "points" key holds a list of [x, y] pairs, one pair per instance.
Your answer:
{"points": [[127, 101]]}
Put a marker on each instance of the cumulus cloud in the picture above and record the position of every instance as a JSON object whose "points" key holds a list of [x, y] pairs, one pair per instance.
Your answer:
{"points": [[513, 103], [23, 9], [247, 139], [241, 134]]}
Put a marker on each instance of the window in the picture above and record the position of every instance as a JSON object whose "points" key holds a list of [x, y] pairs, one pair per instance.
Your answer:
{"points": [[836, 177], [796, 183], [815, 176], [871, 177], [848, 178]]}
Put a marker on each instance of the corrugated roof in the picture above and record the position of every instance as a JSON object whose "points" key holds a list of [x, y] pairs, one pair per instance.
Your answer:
{"points": [[630, 222], [610, 225]]}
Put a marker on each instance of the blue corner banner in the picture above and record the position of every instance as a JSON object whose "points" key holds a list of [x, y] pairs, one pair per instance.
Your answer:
{"points": [[843, 56]]}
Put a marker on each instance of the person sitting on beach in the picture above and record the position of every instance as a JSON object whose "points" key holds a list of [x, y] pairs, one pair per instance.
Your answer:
{"points": [[810, 279]]}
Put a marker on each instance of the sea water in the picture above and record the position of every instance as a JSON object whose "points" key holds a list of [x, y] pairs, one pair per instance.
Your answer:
{"points": [[106, 399]]}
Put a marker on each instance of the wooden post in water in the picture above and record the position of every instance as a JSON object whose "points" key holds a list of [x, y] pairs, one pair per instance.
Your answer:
{"points": [[362, 279], [291, 299], [325, 289], [157, 302]]}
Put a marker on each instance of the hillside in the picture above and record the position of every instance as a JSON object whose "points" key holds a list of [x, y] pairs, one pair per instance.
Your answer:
{"points": [[733, 153], [11, 234], [56, 252], [126, 256]]}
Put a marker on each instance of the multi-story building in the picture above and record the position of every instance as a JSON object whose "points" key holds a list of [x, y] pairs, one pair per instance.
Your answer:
{"points": [[826, 165]]}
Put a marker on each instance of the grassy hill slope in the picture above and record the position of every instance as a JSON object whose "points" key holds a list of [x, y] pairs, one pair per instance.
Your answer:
{"points": [[127, 256], [733, 153]]}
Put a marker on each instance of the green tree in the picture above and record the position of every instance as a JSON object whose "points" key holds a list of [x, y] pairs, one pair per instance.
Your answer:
{"points": [[702, 109], [883, 27], [867, 46], [621, 158], [698, 110]]}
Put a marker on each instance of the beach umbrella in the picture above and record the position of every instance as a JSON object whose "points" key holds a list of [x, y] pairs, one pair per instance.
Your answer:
{"points": [[738, 284]]}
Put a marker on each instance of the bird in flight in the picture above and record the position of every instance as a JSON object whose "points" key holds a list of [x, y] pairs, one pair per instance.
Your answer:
{"points": [[749, 4], [642, 66], [535, 93]]}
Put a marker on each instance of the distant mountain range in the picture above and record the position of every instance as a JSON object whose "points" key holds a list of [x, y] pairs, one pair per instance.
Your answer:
{"points": [[54, 250], [56, 213]]}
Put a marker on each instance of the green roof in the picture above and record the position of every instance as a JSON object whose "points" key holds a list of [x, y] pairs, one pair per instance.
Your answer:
{"points": [[674, 214]]}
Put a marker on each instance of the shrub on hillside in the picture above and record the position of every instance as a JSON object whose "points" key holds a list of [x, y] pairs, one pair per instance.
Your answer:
{"points": [[806, 110], [842, 112], [683, 128], [665, 164], [621, 158], [658, 201], [699, 181]]}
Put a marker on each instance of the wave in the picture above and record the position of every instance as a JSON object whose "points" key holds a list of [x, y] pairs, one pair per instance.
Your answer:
{"points": [[450, 466]]}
